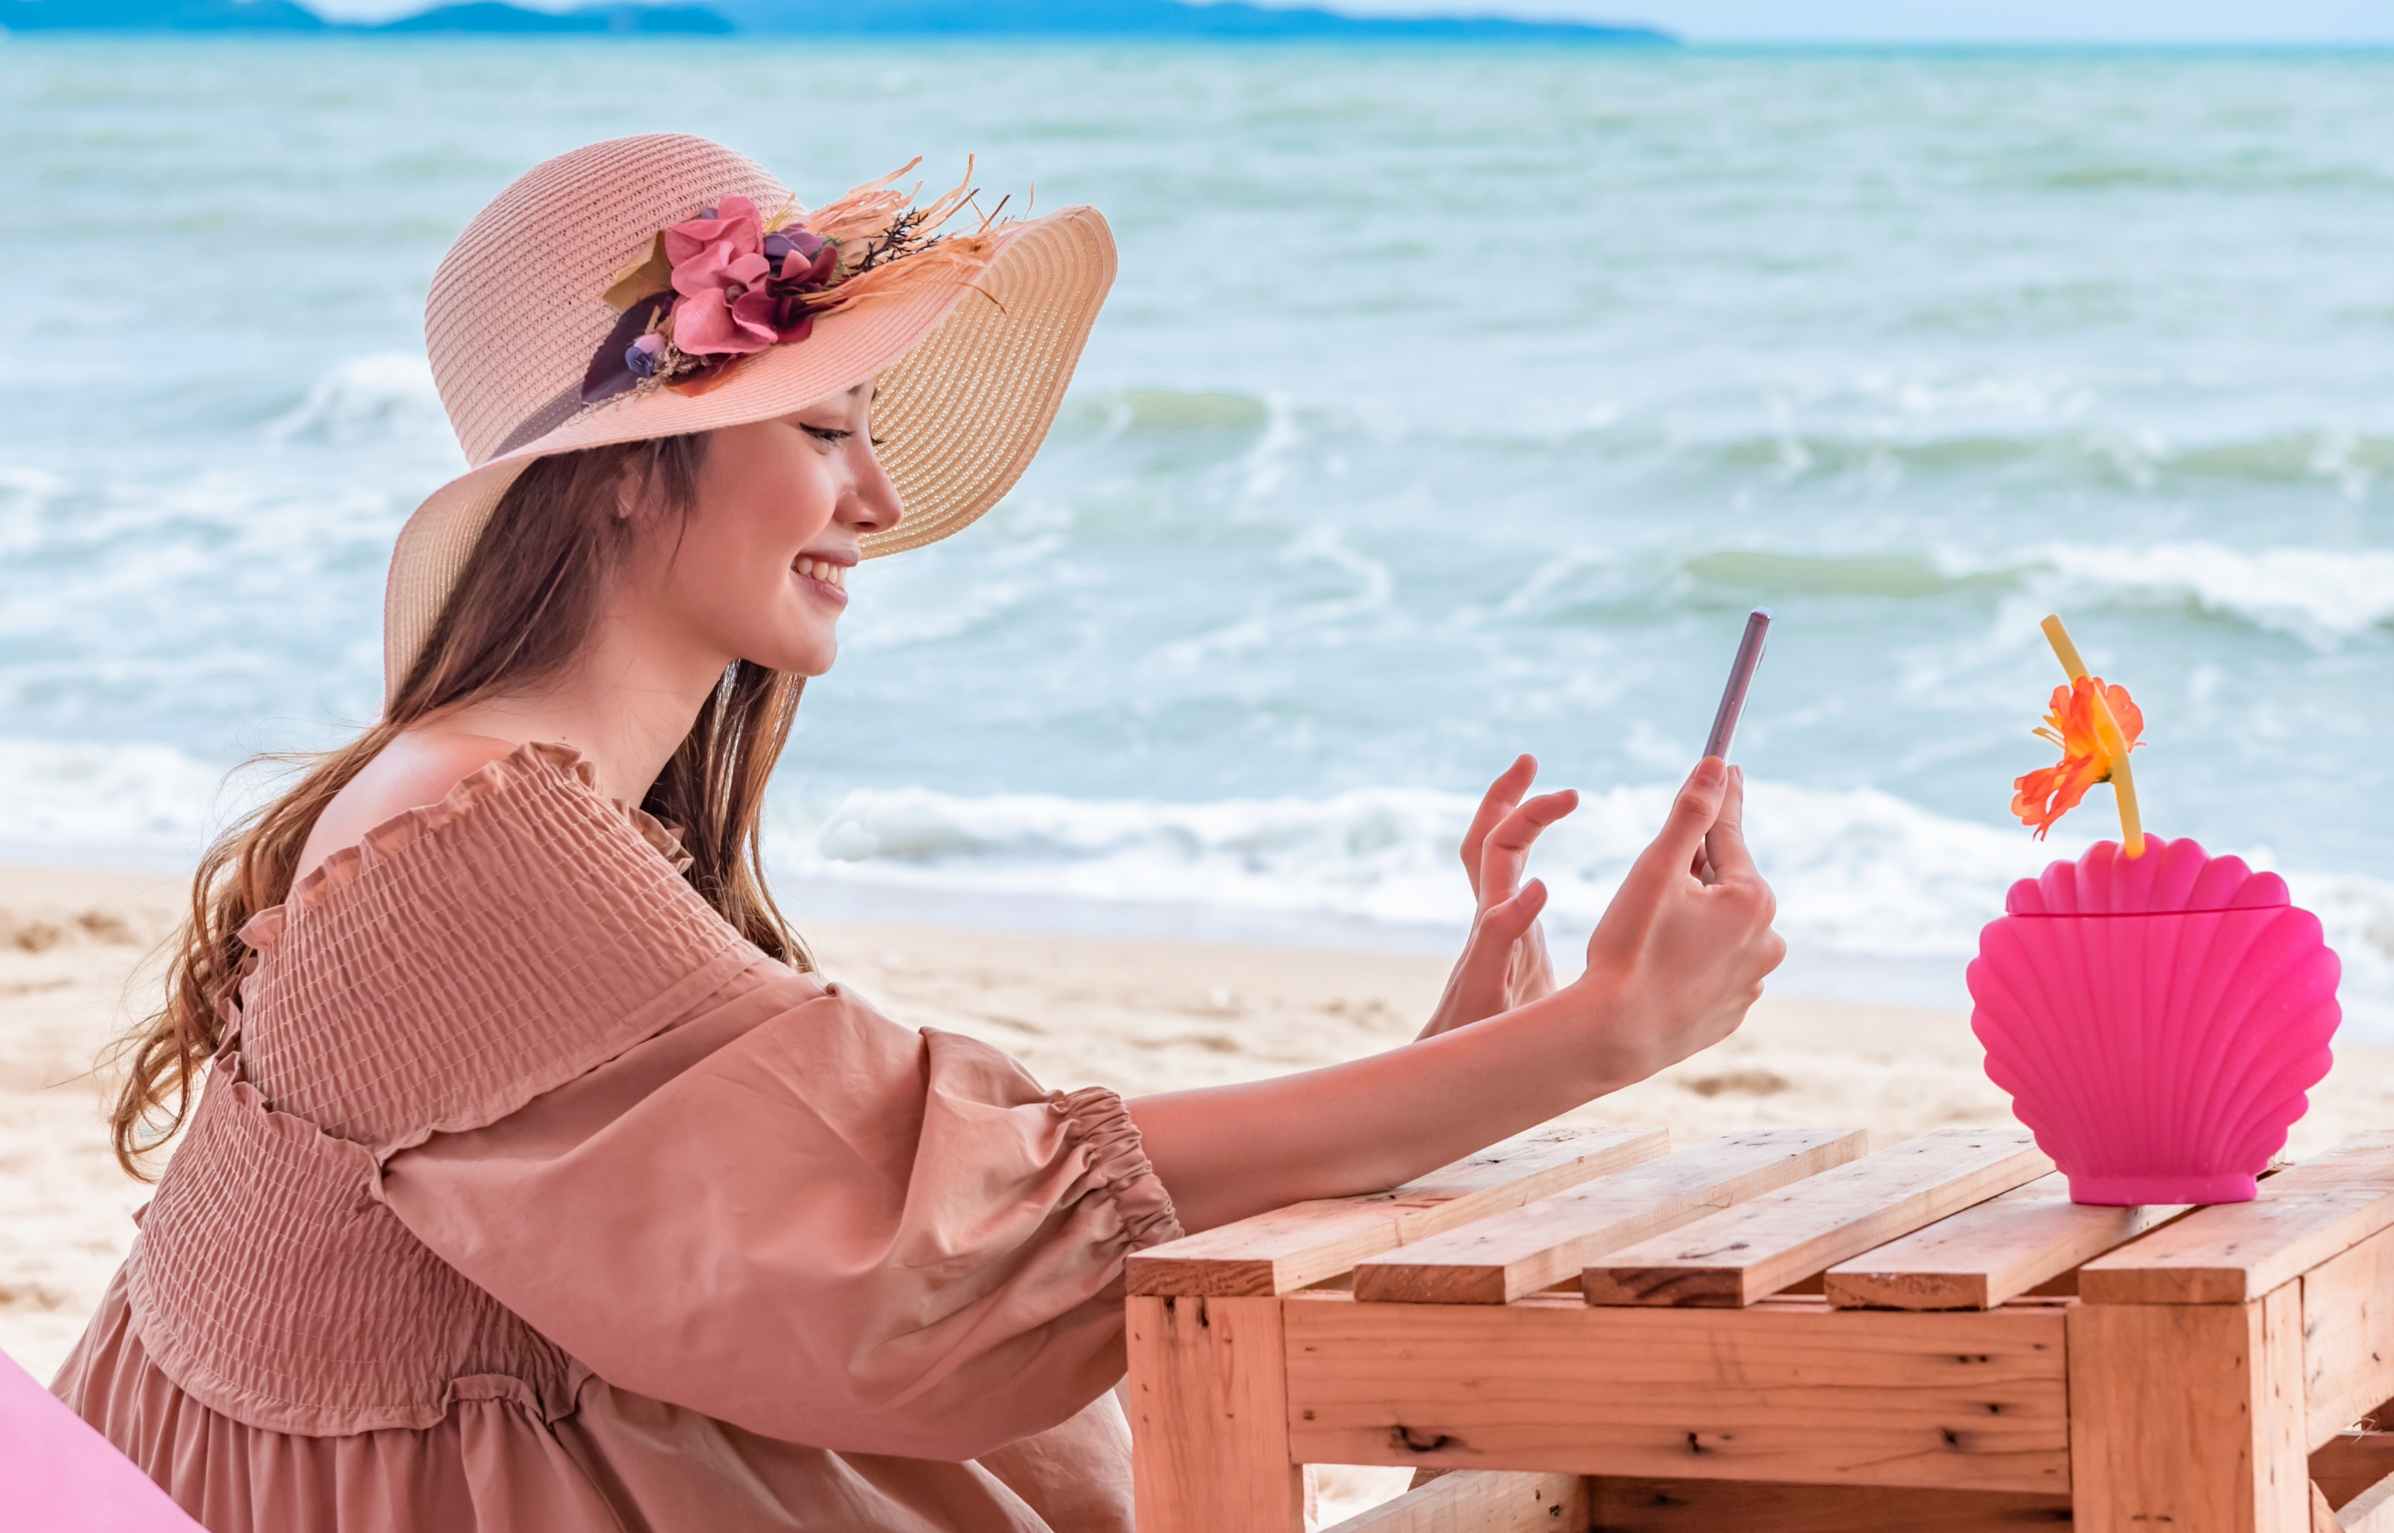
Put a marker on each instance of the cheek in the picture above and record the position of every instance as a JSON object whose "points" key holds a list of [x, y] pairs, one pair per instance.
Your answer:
{"points": [[781, 503], [749, 529]]}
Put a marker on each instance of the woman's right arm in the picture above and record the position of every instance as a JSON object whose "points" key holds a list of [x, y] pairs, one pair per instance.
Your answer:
{"points": [[1672, 969]]}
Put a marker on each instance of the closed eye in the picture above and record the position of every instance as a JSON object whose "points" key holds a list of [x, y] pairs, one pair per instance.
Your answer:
{"points": [[835, 435]]}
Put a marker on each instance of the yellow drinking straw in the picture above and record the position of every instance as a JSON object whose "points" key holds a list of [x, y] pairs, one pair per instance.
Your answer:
{"points": [[2107, 733]]}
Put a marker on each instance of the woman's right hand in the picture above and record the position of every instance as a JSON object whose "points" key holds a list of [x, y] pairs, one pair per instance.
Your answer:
{"points": [[1678, 957], [1672, 967]]}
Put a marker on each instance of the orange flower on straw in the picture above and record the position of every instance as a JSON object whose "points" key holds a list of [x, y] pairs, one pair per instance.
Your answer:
{"points": [[2045, 795]]}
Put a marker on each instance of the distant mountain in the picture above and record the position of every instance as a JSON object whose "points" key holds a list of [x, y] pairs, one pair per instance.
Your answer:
{"points": [[491, 16], [1149, 18], [159, 15], [1164, 19], [283, 16]]}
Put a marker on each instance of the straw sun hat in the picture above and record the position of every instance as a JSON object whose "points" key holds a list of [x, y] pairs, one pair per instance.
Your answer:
{"points": [[972, 335]]}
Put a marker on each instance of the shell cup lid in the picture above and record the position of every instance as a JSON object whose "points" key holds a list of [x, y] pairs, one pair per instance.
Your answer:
{"points": [[2172, 877]]}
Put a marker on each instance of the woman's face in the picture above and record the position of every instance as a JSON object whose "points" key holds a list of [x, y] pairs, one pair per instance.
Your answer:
{"points": [[798, 489]]}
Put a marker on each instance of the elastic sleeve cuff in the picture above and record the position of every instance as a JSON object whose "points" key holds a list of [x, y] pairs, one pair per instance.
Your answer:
{"points": [[1098, 1118]]}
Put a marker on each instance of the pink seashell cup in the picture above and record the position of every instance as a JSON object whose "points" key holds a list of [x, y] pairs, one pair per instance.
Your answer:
{"points": [[2156, 1020]]}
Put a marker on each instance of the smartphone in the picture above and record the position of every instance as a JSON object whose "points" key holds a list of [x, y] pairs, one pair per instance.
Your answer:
{"points": [[1741, 676]]}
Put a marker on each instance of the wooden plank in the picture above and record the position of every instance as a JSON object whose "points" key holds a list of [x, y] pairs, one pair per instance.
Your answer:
{"points": [[2372, 1511], [2231, 1253], [1498, 1259], [1984, 1255], [2323, 1516], [2188, 1416], [1672, 1506], [1481, 1501], [2348, 1336], [2351, 1462], [1209, 1417], [1787, 1390], [1288, 1248], [1760, 1247]]}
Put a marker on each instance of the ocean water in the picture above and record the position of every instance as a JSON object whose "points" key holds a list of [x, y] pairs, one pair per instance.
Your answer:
{"points": [[1449, 403]]}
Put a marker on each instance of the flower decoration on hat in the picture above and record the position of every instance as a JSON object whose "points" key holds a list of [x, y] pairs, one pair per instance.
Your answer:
{"points": [[731, 281]]}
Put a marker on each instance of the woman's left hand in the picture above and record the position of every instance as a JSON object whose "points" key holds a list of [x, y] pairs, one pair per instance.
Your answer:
{"points": [[1504, 962]]}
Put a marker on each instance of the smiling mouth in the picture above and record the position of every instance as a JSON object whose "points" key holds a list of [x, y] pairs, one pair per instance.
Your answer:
{"points": [[822, 578]]}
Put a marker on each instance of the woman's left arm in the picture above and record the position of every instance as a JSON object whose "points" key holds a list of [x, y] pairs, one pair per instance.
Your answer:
{"points": [[802, 1217]]}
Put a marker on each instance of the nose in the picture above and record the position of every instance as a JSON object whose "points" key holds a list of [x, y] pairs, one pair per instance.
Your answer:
{"points": [[872, 503]]}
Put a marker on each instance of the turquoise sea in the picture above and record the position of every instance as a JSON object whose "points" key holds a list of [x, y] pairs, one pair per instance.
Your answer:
{"points": [[1450, 403]]}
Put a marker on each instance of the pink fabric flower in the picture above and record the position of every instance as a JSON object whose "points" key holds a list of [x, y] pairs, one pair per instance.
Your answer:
{"points": [[735, 222], [735, 290], [706, 325], [733, 299], [705, 321]]}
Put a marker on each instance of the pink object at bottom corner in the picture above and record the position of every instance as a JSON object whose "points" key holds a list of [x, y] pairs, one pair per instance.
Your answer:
{"points": [[60, 1476]]}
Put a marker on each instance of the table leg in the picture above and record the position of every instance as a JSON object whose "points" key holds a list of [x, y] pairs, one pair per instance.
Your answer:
{"points": [[2189, 1416], [1209, 1417]]}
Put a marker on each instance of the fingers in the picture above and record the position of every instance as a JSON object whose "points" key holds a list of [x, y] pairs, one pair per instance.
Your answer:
{"points": [[1509, 920], [1726, 841], [1692, 814], [1501, 796], [1481, 977], [1507, 848]]}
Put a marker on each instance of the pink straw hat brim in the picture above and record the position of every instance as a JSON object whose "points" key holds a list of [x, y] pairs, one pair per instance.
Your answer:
{"points": [[968, 389]]}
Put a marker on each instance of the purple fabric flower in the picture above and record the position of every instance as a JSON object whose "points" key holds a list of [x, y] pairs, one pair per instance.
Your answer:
{"points": [[793, 237], [784, 316], [800, 270]]}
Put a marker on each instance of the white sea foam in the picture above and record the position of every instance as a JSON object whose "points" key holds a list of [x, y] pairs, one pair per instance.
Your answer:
{"points": [[25, 494], [1273, 618], [151, 805], [2325, 596], [362, 400], [1264, 468], [1859, 872], [2319, 594]]}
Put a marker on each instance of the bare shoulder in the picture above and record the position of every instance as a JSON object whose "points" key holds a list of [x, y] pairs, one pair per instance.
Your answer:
{"points": [[415, 768]]}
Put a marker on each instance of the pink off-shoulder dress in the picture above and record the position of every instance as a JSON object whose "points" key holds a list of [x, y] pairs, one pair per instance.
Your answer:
{"points": [[526, 1193]]}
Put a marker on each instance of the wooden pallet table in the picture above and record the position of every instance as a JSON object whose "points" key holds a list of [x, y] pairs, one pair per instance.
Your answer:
{"points": [[1780, 1331]]}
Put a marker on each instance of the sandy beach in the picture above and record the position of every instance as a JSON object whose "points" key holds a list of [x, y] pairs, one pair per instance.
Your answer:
{"points": [[79, 957]]}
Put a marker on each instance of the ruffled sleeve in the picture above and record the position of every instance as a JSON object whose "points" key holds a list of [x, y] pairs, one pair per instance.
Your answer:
{"points": [[799, 1216]]}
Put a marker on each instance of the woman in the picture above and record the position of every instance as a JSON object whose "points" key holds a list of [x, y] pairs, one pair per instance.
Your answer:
{"points": [[538, 1179]]}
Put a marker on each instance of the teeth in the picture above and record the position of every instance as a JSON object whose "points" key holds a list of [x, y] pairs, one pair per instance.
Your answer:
{"points": [[823, 569]]}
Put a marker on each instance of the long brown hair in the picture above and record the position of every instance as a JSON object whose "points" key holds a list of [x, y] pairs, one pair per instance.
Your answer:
{"points": [[520, 612]]}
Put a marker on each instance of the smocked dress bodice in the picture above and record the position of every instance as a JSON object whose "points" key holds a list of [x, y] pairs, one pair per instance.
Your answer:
{"points": [[525, 1190]]}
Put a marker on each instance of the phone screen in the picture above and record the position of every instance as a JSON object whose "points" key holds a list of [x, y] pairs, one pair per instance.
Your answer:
{"points": [[1741, 676]]}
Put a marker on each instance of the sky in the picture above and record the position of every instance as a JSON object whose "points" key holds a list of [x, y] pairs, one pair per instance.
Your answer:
{"points": [[1849, 20]]}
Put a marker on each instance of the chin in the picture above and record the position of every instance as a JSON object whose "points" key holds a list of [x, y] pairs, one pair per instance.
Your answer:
{"points": [[802, 658], [811, 661]]}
